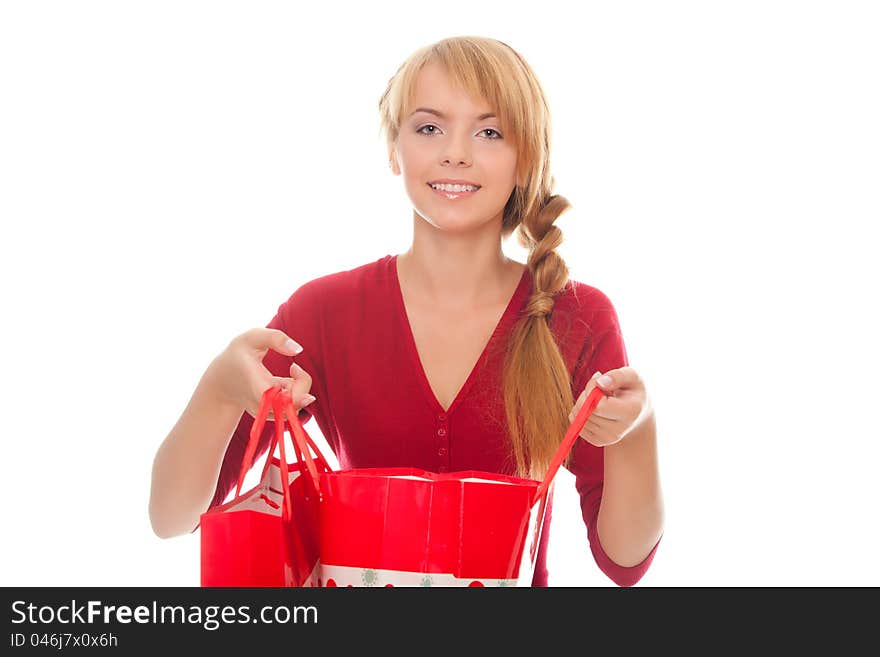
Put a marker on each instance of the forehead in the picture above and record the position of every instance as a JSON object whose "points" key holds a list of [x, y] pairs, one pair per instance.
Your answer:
{"points": [[434, 88]]}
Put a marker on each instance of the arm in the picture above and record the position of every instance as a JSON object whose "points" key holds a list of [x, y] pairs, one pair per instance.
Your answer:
{"points": [[630, 521], [591, 482], [187, 463], [190, 460], [615, 463]]}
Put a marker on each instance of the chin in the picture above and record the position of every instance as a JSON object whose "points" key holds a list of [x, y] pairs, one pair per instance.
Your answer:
{"points": [[455, 225]]}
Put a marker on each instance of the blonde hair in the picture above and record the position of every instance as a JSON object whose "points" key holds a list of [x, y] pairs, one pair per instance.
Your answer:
{"points": [[536, 383]]}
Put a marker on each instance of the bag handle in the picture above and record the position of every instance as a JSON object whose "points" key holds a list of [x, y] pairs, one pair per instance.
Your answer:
{"points": [[266, 402], [269, 399], [280, 402], [301, 438], [302, 442], [571, 435], [287, 512]]}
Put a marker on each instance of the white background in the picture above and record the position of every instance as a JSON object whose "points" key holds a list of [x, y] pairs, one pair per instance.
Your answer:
{"points": [[171, 171]]}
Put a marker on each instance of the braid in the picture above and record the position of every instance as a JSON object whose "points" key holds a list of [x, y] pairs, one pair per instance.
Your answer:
{"points": [[549, 271], [537, 387]]}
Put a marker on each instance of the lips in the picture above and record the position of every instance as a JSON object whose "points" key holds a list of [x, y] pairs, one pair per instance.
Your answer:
{"points": [[450, 181], [453, 188], [452, 195]]}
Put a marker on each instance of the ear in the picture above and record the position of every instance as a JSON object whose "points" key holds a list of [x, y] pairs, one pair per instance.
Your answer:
{"points": [[393, 164]]}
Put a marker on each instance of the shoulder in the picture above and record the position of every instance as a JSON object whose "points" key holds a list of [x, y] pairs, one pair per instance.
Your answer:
{"points": [[341, 287], [586, 304], [588, 331], [585, 296]]}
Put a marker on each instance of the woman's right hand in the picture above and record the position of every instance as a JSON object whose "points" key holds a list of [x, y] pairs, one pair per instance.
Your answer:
{"points": [[237, 375]]}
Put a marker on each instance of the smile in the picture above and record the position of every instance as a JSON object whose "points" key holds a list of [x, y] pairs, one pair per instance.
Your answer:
{"points": [[452, 192]]}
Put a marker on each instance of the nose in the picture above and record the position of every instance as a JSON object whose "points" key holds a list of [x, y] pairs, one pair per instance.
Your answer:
{"points": [[456, 150]]}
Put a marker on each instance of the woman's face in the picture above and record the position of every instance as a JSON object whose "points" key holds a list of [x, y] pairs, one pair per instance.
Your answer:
{"points": [[454, 141]]}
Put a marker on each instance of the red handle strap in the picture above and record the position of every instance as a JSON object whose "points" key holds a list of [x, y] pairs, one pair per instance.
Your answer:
{"points": [[284, 411], [302, 443], [279, 439], [571, 435], [267, 401], [302, 438], [280, 402]]}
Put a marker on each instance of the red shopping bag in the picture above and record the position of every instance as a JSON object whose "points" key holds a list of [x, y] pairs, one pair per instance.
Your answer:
{"points": [[241, 540], [411, 527]]}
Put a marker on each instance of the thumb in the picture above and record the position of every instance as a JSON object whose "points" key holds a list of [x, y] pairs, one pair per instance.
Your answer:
{"points": [[589, 387], [592, 383], [605, 382], [281, 342]]}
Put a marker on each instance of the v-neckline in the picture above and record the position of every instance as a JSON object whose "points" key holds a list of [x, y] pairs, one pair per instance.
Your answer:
{"points": [[410, 339]]}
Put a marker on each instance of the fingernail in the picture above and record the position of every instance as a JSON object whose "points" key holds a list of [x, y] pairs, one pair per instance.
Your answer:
{"points": [[308, 399], [604, 381], [295, 347], [595, 374]]}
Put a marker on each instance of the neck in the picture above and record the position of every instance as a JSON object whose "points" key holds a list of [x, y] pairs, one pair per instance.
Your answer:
{"points": [[457, 271]]}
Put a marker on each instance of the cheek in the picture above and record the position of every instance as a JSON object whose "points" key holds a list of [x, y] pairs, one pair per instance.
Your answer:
{"points": [[512, 160], [410, 149], [504, 162], [412, 162]]}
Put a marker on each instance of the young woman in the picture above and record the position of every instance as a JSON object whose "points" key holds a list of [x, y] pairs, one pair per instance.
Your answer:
{"points": [[449, 356]]}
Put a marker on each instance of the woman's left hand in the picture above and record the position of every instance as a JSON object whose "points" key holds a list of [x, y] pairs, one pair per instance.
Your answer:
{"points": [[619, 413]]}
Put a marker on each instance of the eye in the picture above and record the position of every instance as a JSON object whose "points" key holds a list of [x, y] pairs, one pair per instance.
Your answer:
{"points": [[435, 130]]}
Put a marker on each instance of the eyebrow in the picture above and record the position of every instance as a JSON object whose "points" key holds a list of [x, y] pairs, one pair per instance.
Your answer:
{"points": [[437, 113]]}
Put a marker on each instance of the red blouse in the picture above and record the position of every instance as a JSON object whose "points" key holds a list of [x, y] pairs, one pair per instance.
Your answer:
{"points": [[375, 407]]}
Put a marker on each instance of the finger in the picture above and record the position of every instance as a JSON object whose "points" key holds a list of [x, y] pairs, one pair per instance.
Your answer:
{"points": [[263, 339], [623, 377], [599, 432], [591, 435], [587, 435], [599, 425], [301, 384], [300, 400], [259, 391], [610, 408], [583, 397]]}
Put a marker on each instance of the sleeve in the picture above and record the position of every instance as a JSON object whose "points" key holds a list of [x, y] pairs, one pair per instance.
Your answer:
{"points": [[604, 352], [300, 318]]}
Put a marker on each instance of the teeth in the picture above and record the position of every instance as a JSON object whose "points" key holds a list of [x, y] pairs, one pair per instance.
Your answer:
{"points": [[455, 188]]}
